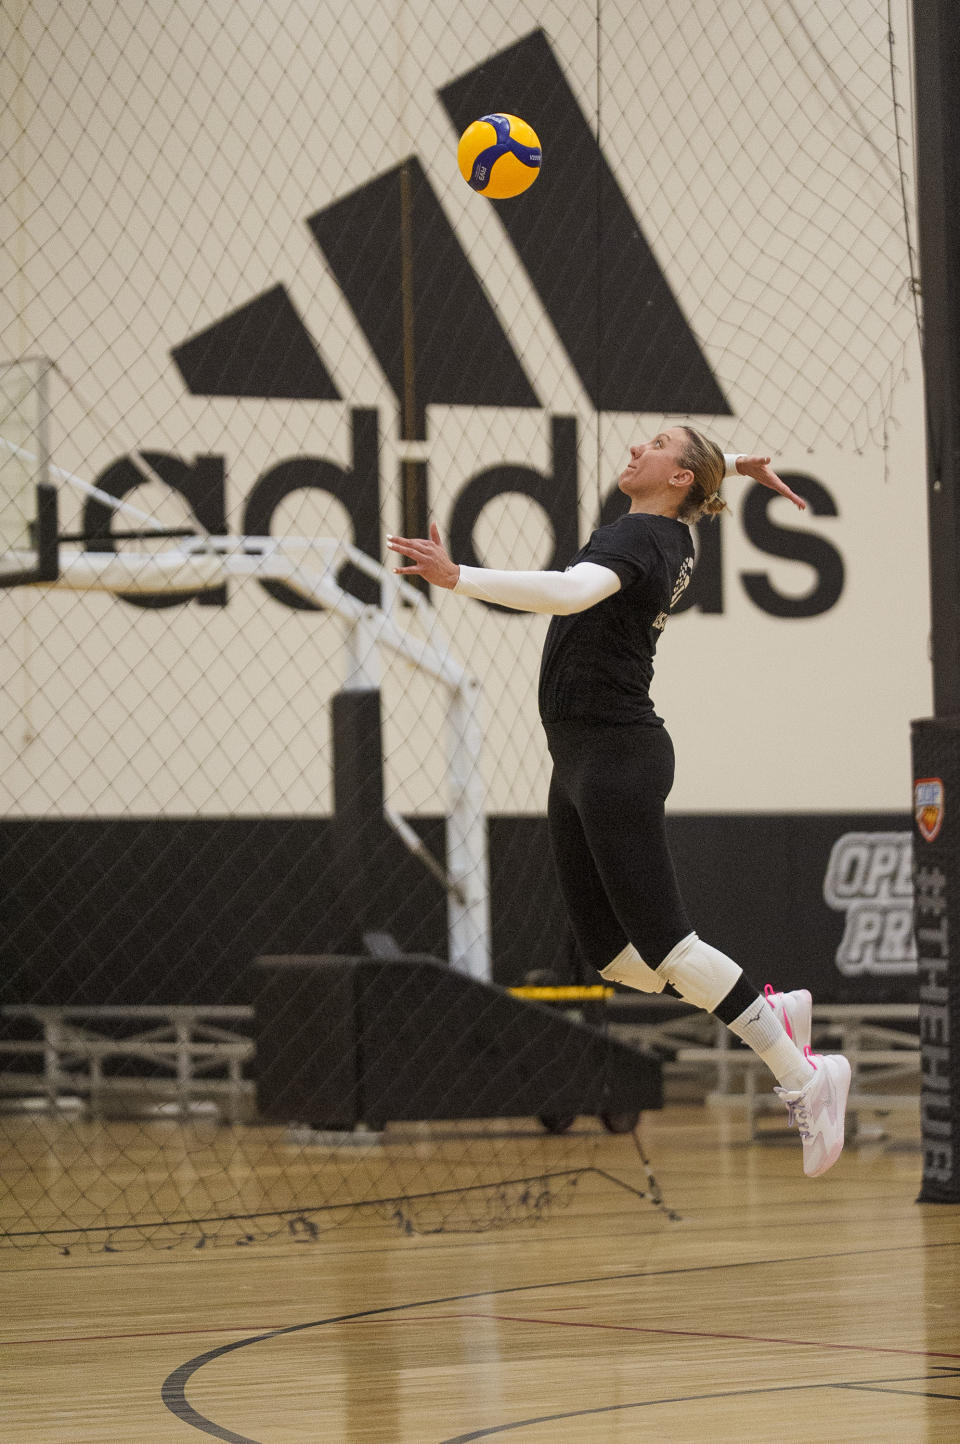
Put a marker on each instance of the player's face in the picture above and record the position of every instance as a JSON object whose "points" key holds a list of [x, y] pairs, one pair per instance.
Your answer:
{"points": [[652, 463]]}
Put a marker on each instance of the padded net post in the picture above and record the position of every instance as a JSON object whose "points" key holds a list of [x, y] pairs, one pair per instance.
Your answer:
{"points": [[936, 884]]}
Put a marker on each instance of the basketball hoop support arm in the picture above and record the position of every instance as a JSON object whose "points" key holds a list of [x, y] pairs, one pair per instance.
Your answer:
{"points": [[309, 566]]}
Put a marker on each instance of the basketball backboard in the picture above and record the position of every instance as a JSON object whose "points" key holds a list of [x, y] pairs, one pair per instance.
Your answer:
{"points": [[28, 511]]}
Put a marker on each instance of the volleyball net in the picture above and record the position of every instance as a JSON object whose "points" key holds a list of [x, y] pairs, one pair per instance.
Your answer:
{"points": [[255, 322]]}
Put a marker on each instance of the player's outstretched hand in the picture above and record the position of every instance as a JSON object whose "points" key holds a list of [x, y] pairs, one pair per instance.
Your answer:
{"points": [[758, 468], [429, 557]]}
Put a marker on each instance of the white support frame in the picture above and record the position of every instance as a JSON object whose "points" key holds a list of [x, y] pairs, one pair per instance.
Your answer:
{"points": [[309, 566]]}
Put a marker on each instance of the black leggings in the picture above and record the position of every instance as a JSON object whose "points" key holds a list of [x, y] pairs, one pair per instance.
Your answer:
{"points": [[609, 838]]}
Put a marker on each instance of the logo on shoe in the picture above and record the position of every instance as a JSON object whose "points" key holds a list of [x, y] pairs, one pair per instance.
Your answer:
{"points": [[831, 1107]]}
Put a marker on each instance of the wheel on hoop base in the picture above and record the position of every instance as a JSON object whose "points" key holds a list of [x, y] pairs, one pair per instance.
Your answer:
{"points": [[557, 1122], [624, 1122]]}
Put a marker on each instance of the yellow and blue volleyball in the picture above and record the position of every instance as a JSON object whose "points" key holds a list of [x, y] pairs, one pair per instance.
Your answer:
{"points": [[499, 156]]}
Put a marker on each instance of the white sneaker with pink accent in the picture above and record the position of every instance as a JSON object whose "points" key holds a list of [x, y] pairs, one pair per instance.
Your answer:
{"points": [[795, 1011], [818, 1110]]}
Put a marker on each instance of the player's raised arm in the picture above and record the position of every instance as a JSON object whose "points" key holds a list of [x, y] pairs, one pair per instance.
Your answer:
{"points": [[556, 593]]}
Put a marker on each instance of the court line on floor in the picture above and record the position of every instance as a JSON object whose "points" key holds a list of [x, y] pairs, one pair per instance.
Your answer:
{"points": [[173, 1390], [876, 1386], [144, 1334], [682, 1334]]}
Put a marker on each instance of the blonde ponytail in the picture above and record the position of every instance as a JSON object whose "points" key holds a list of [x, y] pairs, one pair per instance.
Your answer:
{"points": [[707, 463]]}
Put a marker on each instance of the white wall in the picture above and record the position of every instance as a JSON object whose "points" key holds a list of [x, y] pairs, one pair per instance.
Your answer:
{"points": [[164, 166]]}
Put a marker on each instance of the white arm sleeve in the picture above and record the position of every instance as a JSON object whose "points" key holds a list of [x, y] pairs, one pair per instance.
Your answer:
{"points": [[730, 459], [561, 593]]}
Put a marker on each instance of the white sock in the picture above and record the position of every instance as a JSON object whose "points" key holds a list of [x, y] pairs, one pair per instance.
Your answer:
{"points": [[761, 1030]]}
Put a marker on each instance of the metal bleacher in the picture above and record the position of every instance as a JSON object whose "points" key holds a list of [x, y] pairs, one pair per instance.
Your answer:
{"points": [[114, 1060], [120, 1059]]}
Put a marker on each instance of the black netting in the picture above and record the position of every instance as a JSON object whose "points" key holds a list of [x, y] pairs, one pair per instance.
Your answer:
{"points": [[249, 295]]}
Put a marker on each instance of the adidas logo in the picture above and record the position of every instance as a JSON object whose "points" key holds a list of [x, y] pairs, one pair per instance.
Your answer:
{"points": [[439, 342]]}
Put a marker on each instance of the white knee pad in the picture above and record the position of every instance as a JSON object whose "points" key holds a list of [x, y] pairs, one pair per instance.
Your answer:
{"points": [[629, 968], [702, 975]]}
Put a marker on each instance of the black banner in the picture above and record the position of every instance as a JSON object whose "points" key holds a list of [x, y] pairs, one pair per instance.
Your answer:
{"points": [[127, 910]]}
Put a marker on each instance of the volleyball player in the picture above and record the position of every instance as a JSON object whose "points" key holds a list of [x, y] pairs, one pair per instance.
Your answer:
{"points": [[613, 761]]}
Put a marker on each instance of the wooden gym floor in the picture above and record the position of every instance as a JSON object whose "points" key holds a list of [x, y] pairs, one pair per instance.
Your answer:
{"points": [[774, 1308]]}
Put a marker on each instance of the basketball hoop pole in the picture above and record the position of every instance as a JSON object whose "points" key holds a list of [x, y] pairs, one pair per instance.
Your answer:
{"points": [[937, 85]]}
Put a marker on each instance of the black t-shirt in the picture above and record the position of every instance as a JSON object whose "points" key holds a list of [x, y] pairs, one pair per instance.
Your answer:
{"points": [[598, 664]]}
